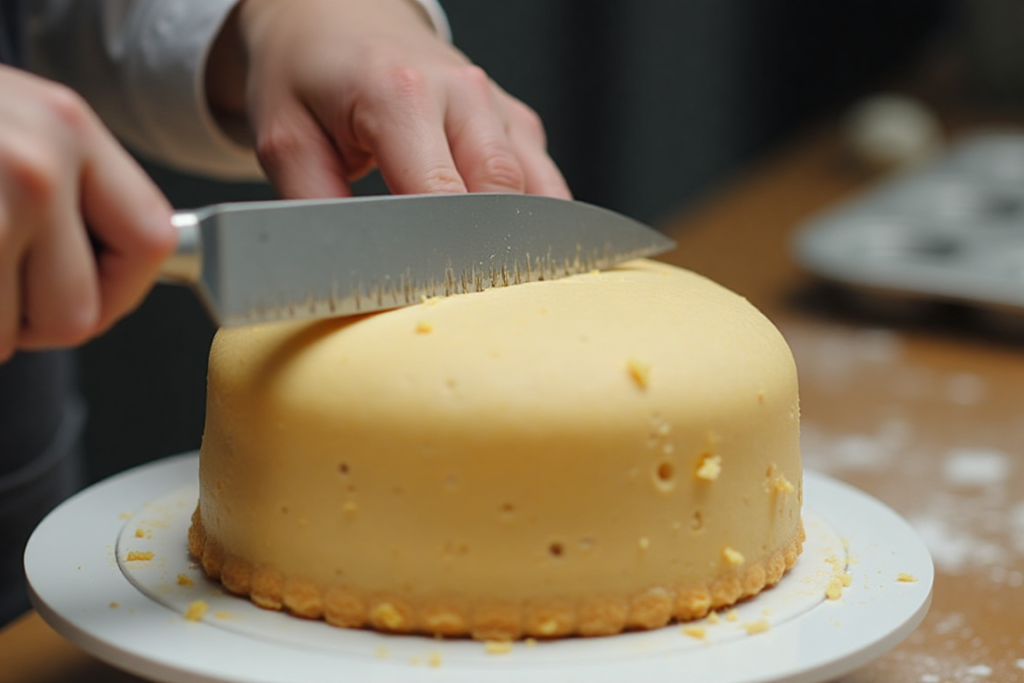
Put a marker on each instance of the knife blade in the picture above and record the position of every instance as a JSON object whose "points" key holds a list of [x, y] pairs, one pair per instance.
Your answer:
{"points": [[253, 262]]}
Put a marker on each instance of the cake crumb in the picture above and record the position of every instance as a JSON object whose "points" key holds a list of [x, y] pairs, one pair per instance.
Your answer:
{"points": [[530, 642], [834, 590], [903, 577], [732, 556], [435, 659], [709, 467], [196, 610], [498, 647], [139, 555], [697, 632], [115, 605], [184, 580], [424, 327], [548, 627], [732, 615], [223, 615], [759, 626], [846, 579], [713, 618], [388, 615], [139, 533], [639, 372], [381, 652], [782, 485]]}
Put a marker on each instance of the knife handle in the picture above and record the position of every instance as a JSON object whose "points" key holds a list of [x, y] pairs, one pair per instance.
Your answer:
{"points": [[185, 264]]}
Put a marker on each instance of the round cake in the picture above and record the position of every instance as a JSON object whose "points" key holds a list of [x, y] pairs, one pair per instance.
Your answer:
{"points": [[605, 452]]}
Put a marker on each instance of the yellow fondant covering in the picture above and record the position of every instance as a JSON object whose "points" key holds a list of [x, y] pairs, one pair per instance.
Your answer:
{"points": [[609, 451]]}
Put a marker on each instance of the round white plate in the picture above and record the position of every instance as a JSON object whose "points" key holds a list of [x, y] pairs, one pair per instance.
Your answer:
{"points": [[131, 613]]}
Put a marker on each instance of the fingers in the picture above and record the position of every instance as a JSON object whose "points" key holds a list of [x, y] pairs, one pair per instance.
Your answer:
{"points": [[479, 139], [526, 134], [82, 228], [453, 133], [131, 223], [401, 122], [299, 159]]}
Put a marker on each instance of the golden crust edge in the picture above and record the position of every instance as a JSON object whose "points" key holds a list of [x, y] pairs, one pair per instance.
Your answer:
{"points": [[492, 620]]}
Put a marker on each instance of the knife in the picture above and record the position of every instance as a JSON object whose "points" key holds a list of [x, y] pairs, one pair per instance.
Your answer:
{"points": [[253, 262]]}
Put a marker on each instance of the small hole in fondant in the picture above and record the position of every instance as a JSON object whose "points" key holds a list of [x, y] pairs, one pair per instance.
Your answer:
{"points": [[666, 470], [697, 523]]}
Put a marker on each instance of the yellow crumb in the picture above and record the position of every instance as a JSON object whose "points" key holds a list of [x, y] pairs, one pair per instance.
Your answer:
{"points": [[713, 618], [709, 467], [548, 627], [906, 578], [139, 555], [184, 580], [124, 515], [196, 610], [759, 626], [834, 590], [497, 647], [139, 533], [733, 557], [639, 372], [846, 579], [424, 327], [435, 660], [530, 642], [115, 605], [388, 615], [697, 632], [782, 485], [381, 652], [732, 615], [223, 615]]}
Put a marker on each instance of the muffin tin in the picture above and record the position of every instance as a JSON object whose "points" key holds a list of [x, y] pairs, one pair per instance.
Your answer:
{"points": [[951, 231]]}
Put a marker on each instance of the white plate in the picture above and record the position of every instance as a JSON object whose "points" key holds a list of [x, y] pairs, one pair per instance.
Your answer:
{"points": [[131, 613]]}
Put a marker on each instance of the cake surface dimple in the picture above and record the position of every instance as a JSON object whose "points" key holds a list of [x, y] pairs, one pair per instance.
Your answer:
{"points": [[583, 456]]}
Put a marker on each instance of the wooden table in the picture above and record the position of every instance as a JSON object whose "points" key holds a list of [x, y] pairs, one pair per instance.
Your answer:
{"points": [[927, 416]]}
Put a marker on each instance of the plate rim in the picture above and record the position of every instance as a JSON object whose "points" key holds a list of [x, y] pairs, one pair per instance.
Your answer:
{"points": [[89, 562]]}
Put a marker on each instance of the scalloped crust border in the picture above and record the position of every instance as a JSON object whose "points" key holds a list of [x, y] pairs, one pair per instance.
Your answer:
{"points": [[492, 620]]}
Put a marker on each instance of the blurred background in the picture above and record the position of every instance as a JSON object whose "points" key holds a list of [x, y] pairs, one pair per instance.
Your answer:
{"points": [[649, 107]]}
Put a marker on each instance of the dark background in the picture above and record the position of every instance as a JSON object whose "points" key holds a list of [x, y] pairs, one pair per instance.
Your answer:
{"points": [[648, 104]]}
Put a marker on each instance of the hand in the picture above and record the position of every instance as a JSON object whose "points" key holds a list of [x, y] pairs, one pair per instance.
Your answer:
{"points": [[82, 229], [334, 87]]}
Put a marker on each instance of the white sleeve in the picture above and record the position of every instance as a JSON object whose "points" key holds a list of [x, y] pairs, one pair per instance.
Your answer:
{"points": [[140, 64]]}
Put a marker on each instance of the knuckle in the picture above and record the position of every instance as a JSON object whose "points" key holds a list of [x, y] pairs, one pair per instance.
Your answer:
{"points": [[68, 107], [474, 76], [35, 171], [275, 145], [502, 170], [444, 181]]}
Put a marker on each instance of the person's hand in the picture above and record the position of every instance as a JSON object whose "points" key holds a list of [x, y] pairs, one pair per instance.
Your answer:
{"points": [[335, 87], [82, 228]]}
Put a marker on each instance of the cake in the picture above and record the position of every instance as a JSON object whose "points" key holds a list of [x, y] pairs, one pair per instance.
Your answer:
{"points": [[611, 451]]}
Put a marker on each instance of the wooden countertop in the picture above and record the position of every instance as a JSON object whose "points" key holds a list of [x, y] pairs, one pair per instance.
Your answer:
{"points": [[925, 415]]}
